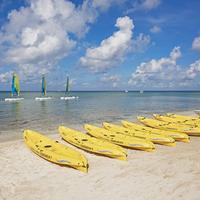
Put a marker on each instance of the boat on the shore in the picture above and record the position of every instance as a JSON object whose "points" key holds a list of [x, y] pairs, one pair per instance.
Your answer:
{"points": [[43, 91], [181, 137], [182, 117], [188, 122], [119, 138], [92, 144], [131, 131], [15, 92], [189, 130], [54, 151]]}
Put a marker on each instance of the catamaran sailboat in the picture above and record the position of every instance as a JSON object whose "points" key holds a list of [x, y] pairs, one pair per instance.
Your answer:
{"points": [[67, 92], [15, 93], [44, 91]]}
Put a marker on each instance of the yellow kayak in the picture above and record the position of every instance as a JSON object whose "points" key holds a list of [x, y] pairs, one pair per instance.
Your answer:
{"points": [[182, 137], [169, 126], [187, 122], [117, 138], [54, 151], [146, 143], [183, 117], [155, 138], [92, 144]]}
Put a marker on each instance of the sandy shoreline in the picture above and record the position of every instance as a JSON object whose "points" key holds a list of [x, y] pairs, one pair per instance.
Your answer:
{"points": [[167, 173]]}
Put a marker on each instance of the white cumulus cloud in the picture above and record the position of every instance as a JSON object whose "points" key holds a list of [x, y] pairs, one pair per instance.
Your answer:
{"points": [[196, 44], [111, 50], [165, 73], [157, 71], [36, 37], [193, 70]]}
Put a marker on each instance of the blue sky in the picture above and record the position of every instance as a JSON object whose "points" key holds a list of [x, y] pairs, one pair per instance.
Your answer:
{"points": [[101, 45]]}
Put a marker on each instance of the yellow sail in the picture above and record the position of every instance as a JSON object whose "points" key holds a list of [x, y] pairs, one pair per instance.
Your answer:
{"points": [[15, 85]]}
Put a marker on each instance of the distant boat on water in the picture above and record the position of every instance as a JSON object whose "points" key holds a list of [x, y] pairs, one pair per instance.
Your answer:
{"points": [[15, 89], [67, 97], [126, 91], [43, 91]]}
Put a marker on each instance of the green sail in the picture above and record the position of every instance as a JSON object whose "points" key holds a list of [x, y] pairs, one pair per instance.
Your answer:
{"points": [[15, 85]]}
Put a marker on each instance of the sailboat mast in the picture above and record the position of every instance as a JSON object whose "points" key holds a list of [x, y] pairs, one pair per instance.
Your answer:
{"points": [[67, 85], [13, 85], [43, 85]]}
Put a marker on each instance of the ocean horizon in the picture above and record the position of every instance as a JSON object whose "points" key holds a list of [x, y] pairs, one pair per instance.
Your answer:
{"points": [[105, 91]]}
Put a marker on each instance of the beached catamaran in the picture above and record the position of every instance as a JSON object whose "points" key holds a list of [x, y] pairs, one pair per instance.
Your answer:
{"points": [[67, 97], [43, 90], [15, 93]]}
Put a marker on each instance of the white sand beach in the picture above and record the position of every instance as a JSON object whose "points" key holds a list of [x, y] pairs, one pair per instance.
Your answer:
{"points": [[168, 173]]}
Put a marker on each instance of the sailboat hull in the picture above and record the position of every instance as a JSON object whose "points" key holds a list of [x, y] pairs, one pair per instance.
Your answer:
{"points": [[69, 98], [42, 98], [13, 99]]}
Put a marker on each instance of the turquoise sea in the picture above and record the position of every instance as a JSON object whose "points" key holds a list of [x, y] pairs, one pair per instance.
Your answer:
{"points": [[91, 107]]}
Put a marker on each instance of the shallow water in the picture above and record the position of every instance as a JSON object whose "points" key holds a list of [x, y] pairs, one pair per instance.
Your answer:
{"points": [[91, 107]]}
